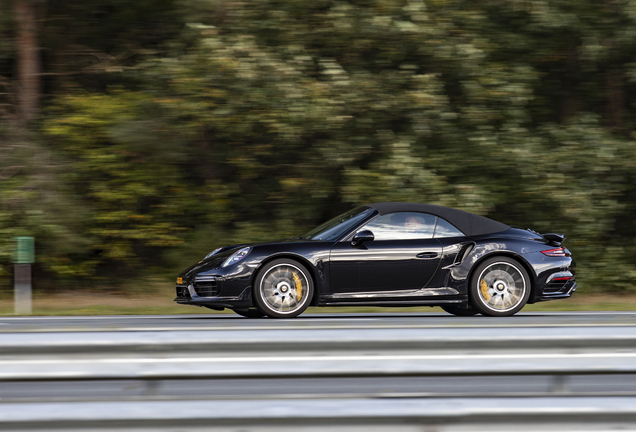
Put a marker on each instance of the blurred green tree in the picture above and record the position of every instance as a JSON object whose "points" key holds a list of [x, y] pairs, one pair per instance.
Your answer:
{"points": [[180, 126]]}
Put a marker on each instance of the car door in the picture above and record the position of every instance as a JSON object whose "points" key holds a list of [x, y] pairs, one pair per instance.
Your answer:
{"points": [[403, 256]]}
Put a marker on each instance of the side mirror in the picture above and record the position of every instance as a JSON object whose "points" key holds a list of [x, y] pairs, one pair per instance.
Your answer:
{"points": [[361, 237]]}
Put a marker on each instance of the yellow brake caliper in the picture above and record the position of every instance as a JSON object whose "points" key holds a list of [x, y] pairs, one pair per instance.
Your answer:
{"points": [[299, 286], [484, 290]]}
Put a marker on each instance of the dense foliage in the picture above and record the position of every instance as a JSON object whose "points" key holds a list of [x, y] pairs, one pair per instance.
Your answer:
{"points": [[170, 128]]}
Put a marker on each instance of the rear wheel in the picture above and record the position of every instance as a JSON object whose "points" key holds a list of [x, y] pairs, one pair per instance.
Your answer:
{"points": [[459, 310], [283, 289], [500, 286]]}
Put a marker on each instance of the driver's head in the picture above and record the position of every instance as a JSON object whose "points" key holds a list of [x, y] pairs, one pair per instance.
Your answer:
{"points": [[414, 222]]}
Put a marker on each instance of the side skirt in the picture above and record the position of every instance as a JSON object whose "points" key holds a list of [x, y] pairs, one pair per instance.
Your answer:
{"points": [[396, 303]]}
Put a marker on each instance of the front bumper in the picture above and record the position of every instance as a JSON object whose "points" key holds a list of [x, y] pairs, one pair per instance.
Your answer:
{"points": [[188, 295], [216, 287]]}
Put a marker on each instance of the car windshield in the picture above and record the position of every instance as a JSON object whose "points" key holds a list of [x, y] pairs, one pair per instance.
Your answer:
{"points": [[336, 227]]}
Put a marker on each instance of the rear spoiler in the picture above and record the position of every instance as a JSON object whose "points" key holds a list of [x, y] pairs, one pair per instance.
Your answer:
{"points": [[554, 238]]}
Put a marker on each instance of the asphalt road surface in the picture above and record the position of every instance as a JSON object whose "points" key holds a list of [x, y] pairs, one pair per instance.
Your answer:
{"points": [[313, 321]]}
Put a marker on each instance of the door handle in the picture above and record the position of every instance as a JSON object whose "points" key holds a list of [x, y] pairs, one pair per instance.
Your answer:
{"points": [[427, 255]]}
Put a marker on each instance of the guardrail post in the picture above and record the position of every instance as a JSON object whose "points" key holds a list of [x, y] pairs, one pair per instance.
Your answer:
{"points": [[24, 256], [23, 289]]}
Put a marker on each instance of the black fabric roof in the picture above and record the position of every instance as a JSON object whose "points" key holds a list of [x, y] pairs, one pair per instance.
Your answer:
{"points": [[467, 223]]}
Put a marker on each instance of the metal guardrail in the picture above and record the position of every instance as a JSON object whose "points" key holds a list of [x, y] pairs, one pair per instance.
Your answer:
{"points": [[489, 337], [154, 356], [319, 365], [522, 414], [360, 352]]}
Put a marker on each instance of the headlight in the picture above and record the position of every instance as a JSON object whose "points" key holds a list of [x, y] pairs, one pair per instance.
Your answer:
{"points": [[212, 253], [236, 256]]}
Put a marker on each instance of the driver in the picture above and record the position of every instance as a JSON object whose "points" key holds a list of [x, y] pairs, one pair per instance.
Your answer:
{"points": [[414, 223]]}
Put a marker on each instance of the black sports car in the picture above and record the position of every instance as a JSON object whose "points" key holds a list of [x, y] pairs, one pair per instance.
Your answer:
{"points": [[387, 254]]}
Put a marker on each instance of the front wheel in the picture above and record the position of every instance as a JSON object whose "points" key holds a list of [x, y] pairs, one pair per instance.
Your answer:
{"points": [[283, 289], [500, 286]]}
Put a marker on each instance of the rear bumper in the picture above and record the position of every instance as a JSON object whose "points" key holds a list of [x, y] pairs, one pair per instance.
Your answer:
{"points": [[550, 293]]}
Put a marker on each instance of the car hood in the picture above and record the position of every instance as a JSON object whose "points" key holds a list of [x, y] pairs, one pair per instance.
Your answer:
{"points": [[217, 259]]}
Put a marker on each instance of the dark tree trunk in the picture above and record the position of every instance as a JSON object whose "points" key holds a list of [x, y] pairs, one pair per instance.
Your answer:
{"points": [[28, 59], [615, 98], [570, 104]]}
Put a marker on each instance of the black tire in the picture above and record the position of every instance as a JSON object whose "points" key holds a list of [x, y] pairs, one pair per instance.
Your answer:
{"points": [[459, 310], [499, 287], [249, 313], [283, 289]]}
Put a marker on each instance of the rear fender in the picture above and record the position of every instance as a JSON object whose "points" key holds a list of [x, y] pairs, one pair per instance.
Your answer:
{"points": [[464, 271]]}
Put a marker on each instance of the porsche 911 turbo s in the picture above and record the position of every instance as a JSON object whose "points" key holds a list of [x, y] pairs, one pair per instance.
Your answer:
{"points": [[387, 254]]}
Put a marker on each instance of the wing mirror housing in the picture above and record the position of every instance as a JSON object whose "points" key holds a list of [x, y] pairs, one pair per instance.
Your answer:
{"points": [[361, 237]]}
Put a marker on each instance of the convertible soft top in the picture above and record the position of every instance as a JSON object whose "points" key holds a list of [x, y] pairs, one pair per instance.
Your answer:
{"points": [[468, 223]]}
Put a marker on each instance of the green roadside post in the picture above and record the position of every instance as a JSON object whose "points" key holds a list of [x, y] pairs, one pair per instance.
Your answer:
{"points": [[23, 257]]}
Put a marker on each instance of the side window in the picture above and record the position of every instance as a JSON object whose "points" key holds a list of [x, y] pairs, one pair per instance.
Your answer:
{"points": [[403, 226], [445, 229]]}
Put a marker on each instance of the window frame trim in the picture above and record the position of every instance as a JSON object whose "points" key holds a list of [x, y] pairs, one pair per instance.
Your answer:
{"points": [[349, 236]]}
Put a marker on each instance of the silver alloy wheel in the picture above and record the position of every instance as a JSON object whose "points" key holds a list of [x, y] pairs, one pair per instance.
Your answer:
{"points": [[284, 288], [502, 286]]}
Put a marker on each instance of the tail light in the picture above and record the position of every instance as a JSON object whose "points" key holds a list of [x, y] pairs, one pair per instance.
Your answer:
{"points": [[561, 279], [558, 252]]}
